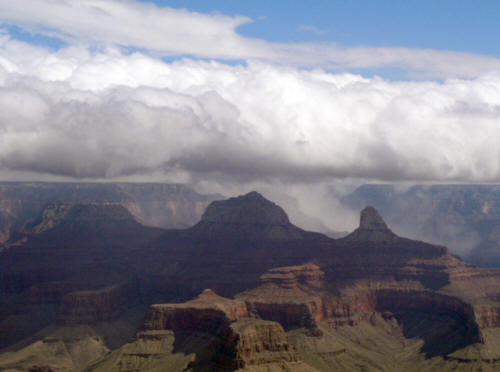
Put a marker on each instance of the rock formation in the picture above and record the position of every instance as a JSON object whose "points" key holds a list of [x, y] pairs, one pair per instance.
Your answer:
{"points": [[372, 228], [206, 313], [249, 216], [253, 342], [287, 296], [241, 340], [462, 217], [160, 205]]}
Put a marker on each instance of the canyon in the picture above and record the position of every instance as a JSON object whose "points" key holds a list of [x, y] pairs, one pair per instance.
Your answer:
{"points": [[85, 286]]}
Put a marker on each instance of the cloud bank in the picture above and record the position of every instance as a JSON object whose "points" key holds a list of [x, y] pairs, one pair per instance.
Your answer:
{"points": [[167, 31], [78, 114]]}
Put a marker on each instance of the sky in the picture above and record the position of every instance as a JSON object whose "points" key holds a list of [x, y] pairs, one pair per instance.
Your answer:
{"points": [[232, 95]]}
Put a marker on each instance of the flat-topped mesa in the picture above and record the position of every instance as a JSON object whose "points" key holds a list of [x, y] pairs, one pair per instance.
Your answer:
{"points": [[250, 216], [207, 313], [372, 228]]}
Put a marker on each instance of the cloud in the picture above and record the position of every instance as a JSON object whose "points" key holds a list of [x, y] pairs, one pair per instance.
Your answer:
{"points": [[127, 23], [167, 31], [76, 114]]}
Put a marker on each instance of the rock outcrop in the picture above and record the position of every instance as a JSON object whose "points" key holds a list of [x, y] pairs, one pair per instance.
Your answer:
{"points": [[253, 342], [206, 313], [300, 297], [153, 204], [241, 340], [249, 216], [288, 294], [465, 218], [372, 228]]}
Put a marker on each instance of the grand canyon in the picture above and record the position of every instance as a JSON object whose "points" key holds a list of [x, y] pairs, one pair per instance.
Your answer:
{"points": [[90, 281]]}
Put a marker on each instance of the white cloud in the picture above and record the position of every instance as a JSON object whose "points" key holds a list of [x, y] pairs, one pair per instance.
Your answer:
{"points": [[77, 114], [170, 31], [131, 23]]}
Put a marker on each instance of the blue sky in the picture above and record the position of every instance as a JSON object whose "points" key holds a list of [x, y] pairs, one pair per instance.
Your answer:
{"points": [[462, 25], [447, 25]]}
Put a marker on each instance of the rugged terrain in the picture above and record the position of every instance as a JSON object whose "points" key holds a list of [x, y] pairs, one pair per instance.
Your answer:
{"points": [[87, 287], [152, 204], [464, 217]]}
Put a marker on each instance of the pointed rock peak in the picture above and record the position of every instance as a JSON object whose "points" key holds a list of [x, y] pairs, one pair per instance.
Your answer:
{"points": [[371, 220], [251, 208], [372, 228]]}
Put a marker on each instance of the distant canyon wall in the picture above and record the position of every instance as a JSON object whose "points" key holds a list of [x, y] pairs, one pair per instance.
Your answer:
{"points": [[152, 204]]}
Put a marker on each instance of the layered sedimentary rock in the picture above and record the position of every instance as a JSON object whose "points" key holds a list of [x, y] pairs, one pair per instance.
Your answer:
{"points": [[292, 276], [347, 281], [285, 282], [82, 247], [207, 313], [241, 339]]}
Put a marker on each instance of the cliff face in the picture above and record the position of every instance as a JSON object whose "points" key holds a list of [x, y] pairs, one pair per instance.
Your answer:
{"points": [[241, 340], [301, 297], [207, 313], [252, 342]]}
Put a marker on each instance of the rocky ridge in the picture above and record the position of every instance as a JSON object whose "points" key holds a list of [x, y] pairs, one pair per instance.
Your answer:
{"points": [[153, 204], [288, 296]]}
